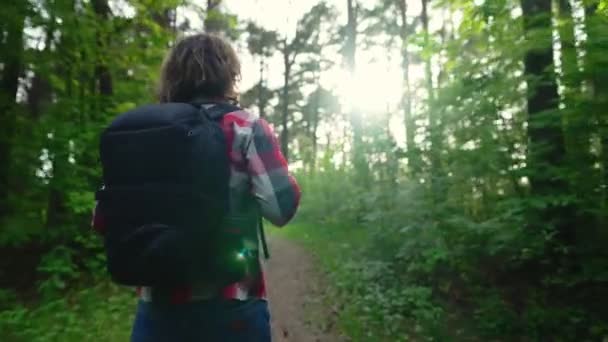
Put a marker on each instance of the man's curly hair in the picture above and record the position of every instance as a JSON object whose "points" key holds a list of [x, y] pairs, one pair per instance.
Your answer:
{"points": [[201, 65]]}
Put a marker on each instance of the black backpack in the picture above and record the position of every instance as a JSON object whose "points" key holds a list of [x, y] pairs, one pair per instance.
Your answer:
{"points": [[165, 199]]}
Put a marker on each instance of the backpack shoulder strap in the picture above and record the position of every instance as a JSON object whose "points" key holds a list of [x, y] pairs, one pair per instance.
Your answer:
{"points": [[215, 110]]}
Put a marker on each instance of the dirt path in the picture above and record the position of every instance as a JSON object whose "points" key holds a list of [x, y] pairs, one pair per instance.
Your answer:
{"points": [[294, 292]]}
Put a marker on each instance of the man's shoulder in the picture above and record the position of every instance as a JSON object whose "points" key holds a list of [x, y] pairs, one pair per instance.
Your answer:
{"points": [[240, 117]]}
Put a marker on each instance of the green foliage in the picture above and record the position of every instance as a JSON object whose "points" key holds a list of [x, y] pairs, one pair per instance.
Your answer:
{"points": [[435, 272], [59, 269], [490, 224], [99, 313], [78, 64]]}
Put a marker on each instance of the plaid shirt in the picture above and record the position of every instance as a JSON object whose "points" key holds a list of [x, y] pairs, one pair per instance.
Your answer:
{"points": [[259, 168]]}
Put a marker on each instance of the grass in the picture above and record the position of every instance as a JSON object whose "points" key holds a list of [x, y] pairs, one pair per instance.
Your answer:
{"points": [[329, 244], [100, 313]]}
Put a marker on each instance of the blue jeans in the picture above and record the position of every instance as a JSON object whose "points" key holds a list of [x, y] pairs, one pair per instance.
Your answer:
{"points": [[209, 321]]}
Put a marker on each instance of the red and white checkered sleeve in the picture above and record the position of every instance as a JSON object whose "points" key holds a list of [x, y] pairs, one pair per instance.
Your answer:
{"points": [[274, 187]]}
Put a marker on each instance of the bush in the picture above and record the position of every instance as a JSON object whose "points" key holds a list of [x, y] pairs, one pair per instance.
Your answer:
{"points": [[99, 313], [403, 264]]}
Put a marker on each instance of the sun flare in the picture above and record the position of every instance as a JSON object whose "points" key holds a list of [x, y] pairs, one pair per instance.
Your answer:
{"points": [[372, 88]]}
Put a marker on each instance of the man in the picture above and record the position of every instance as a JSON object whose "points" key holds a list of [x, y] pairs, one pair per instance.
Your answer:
{"points": [[204, 69]]}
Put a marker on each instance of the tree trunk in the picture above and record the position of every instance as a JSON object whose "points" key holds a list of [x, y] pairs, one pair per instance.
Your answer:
{"points": [[9, 84], [595, 47], [165, 18], [428, 71], [546, 144], [568, 48], [446, 33], [261, 96], [38, 94], [315, 126], [285, 101], [351, 36], [596, 72], [102, 72], [408, 119], [542, 95], [359, 162], [578, 125], [212, 23], [434, 124]]}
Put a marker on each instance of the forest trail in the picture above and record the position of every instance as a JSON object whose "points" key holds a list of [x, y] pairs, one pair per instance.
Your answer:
{"points": [[295, 290]]}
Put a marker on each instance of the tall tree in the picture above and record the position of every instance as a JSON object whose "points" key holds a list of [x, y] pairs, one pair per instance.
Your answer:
{"points": [[102, 71], [261, 43], [433, 112], [408, 119], [291, 49], [578, 127], [12, 64], [350, 53], [390, 17], [351, 35], [595, 73], [595, 47], [213, 22], [321, 105], [569, 60], [546, 146], [428, 71], [218, 21], [289, 56]]}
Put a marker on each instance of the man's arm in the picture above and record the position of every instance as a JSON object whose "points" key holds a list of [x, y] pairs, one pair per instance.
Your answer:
{"points": [[276, 190]]}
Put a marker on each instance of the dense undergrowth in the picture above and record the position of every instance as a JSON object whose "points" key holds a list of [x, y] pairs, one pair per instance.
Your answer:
{"points": [[60, 291], [96, 313], [402, 269]]}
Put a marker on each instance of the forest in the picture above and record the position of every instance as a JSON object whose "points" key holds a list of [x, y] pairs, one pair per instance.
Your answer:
{"points": [[453, 157]]}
